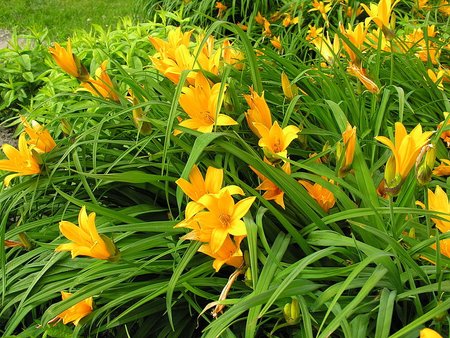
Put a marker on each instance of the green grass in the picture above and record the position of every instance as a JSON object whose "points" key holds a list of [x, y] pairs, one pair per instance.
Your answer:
{"points": [[63, 17]]}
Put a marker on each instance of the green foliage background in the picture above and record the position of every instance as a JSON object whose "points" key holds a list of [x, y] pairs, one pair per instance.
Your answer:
{"points": [[354, 271]]}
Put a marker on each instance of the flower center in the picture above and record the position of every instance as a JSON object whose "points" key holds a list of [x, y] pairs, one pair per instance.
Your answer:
{"points": [[206, 117], [225, 220], [277, 147]]}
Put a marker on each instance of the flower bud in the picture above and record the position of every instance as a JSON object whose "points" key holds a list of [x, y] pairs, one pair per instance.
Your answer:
{"points": [[289, 90], [424, 168], [248, 278], [291, 312]]}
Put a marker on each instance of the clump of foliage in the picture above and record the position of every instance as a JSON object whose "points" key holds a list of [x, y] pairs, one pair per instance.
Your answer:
{"points": [[282, 173]]}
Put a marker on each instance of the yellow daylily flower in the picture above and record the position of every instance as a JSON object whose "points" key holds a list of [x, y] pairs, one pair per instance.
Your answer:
{"points": [[68, 61], [329, 50], [174, 56], [276, 42], [172, 68], [198, 233], [102, 85], [429, 333], [357, 36], [381, 15], [229, 253], [75, 313], [438, 201], [272, 191], [360, 73], [175, 38], [86, 241], [445, 135], [377, 40], [259, 111], [40, 138], [19, 160], [275, 140], [209, 58], [352, 11], [322, 8], [201, 102], [232, 56], [197, 186], [425, 49], [314, 32], [323, 196], [222, 9], [443, 169], [405, 150], [287, 20], [437, 77], [260, 19], [223, 217], [444, 7]]}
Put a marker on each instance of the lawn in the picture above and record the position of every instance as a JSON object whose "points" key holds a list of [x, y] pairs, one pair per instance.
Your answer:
{"points": [[63, 17]]}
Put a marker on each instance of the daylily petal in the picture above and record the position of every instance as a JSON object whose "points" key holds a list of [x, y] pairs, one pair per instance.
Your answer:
{"points": [[242, 207]]}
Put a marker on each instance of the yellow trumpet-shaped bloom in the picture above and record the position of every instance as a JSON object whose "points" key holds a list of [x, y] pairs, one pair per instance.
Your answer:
{"points": [[40, 138], [437, 77], [276, 42], [77, 312], [172, 67], [202, 103], [223, 217], [360, 73], [175, 38], [86, 241], [68, 61], [222, 9], [445, 135], [438, 201], [197, 186], [275, 140], [323, 196], [19, 160], [272, 191], [405, 150], [229, 253], [444, 7], [357, 36], [443, 169], [381, 13], [259, 111], [429, 333], [327, 48], [287, 20], [102, 85], [232, 56], [321, 7]]}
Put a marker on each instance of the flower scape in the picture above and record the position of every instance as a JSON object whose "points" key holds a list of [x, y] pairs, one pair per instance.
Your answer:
{"points": [[234, 170]]}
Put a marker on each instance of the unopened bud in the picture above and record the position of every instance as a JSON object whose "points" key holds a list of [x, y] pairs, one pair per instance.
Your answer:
{"points": [[248, 278], [290, 90], [424, 166], [66, 127], [291, 312]]}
